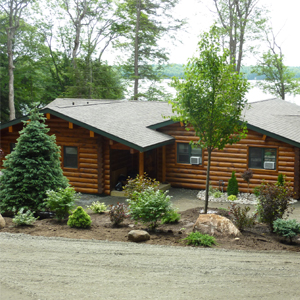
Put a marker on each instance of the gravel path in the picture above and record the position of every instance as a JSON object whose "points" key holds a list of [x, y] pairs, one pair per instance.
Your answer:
{"points": [[55, 268]]}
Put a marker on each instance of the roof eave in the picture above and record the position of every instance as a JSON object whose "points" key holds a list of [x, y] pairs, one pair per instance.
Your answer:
{"points": [[162, 124], [273, 135], [104, 133]]}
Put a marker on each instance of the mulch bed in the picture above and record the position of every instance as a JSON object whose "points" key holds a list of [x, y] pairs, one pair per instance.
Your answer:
{"points": [[258, 238]]}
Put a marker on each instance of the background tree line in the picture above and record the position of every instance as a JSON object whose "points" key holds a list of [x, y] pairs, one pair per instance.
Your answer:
{"points": [[51, 49]]}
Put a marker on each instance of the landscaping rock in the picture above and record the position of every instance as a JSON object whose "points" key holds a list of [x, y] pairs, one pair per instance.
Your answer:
{"points": [[216, 225], [138, 236], [2, 222]]}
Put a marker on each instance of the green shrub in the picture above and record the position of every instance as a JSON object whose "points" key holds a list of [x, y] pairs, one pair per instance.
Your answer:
{"points": [[149, 206], [240, 217], [171, 217], [281, 179], [273, 202], [198, 239], [233, 187], [79, 218], [212, 190], [97, 207], [118, 213], [223, 208], [217, 194], [31, 169], [61, 202], [138, 185], [232, 197], [286, 228], [22, 218]]}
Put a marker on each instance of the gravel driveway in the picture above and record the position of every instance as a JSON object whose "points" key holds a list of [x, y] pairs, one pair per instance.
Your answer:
{"points": [[55, 268]]}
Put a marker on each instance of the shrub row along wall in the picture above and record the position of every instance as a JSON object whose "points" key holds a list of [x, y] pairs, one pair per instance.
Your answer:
{"points": [[232, 158]]}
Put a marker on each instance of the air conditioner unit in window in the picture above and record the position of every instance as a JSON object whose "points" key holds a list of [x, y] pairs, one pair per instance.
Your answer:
{"points": [[196, 160], [269, 165]]}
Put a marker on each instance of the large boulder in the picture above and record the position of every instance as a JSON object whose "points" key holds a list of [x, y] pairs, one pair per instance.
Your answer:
{"points": [[216, 225], [138, 236], [2, 222]]}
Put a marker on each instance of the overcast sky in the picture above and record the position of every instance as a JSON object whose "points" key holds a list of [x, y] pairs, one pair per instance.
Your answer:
{"points": [[284, 14]]}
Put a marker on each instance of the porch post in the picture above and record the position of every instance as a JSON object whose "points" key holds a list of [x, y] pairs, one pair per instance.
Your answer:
{"points": [[141, 163], [164, 164]]}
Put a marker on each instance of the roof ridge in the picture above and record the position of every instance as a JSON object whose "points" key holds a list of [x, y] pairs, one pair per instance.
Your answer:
{"points": [[258, 101]]}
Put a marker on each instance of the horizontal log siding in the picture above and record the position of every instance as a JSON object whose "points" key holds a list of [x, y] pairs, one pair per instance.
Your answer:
{"points": [[106, 152], [7, 138], [232, 158], [85, 178], [297, 172]]}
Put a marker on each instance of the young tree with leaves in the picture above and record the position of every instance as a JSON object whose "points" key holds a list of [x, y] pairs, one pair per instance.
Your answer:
{"points": [[32, 168], [211, 98], [240, 21], [279, 79]]}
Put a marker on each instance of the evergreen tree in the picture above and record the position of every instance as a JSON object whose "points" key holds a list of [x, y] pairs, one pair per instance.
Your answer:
{"points": [[32, 168], [233, 186]]}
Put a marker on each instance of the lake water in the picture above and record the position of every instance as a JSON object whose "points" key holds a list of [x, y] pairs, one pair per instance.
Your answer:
{"points": [[254, 94]]}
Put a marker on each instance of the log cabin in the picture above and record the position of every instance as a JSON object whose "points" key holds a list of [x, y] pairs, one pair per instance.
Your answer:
{"points": [[102, 139]]}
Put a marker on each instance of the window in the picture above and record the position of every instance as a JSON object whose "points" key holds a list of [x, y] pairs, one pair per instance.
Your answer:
{"points": [[262, 158], [70, 157], [185, 151]]}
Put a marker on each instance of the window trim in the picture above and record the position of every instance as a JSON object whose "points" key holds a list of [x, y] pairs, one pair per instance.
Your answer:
{"points": [[262, 170], [188, 165], [63, 158]]}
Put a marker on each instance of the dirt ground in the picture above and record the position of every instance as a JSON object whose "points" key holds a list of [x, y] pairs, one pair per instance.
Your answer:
{"points": [[257, 238], [35, 267], [54, 261]]}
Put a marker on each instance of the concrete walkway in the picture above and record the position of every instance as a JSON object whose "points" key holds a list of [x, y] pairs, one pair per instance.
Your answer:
{"points": [[182, 199]]}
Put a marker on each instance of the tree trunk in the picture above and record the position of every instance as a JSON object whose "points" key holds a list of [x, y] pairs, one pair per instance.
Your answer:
{"points": [[136, 50], [207, 180], [11, 95]]}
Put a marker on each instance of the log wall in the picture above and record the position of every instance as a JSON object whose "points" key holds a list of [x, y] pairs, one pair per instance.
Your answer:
{"points": [[232, 158], [90, 175]]}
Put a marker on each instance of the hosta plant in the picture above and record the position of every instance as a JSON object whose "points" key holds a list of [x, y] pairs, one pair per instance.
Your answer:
{"points": [[24, 218], [98, 207], [217, 194]]}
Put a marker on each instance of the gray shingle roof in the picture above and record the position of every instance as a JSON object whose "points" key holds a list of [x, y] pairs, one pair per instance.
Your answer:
{"points": [[277, 117], [121, 120], [130, 122]]}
